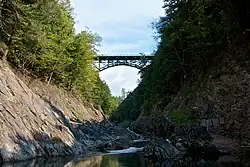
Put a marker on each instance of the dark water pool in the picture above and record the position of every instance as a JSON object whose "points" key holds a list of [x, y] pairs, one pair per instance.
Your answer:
{"points": [[121, 160]]}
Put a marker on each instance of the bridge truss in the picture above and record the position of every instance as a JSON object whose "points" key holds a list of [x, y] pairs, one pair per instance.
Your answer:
{"points": [[137, 61]]}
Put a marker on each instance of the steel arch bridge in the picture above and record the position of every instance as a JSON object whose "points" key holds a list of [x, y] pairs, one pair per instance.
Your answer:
{"points": [[139, 61]]}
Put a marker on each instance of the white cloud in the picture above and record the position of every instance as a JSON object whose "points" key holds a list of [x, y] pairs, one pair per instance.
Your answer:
{"points": [[120, 77], [124, 27], [126, 48], [95, 13]]}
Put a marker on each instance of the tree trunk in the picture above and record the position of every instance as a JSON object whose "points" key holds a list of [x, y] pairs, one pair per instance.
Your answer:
{"points": [[50, 77]]}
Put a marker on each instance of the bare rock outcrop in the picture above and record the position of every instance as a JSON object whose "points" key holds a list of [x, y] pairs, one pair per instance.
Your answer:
{"points": [[29, 126], [69, 103]]}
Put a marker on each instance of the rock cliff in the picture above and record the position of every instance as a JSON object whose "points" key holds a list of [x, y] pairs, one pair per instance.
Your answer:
{"points": [[219, 100], [70, 103], [31, 126]]}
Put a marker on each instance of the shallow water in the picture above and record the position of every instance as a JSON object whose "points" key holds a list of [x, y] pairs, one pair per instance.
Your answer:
{"points": [[120, 160]]}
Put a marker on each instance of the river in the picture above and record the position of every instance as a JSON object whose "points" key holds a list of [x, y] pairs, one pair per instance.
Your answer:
{"points": [[120, 160]]}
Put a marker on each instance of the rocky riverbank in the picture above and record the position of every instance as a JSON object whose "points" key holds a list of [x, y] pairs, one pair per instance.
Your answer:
{"points": [[32, 125], [172, 141]]}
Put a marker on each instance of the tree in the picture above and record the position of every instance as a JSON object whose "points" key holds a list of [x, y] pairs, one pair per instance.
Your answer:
{"points": [[123, 93], [41, 39]]}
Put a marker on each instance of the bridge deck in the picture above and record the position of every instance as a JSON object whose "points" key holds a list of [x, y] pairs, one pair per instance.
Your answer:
{"points": [[124, 57]]}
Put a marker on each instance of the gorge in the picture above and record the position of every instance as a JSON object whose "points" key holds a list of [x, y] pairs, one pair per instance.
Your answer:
{"points": [[191, 105]]}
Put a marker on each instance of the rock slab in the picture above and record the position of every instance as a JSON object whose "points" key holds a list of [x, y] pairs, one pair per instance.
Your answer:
{"points": [[30, 126]]}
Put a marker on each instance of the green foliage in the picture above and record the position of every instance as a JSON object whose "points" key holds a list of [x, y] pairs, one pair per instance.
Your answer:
{"points": [[40, 38], [129, 108], [109, 103], [182, 117], [192, 34]]}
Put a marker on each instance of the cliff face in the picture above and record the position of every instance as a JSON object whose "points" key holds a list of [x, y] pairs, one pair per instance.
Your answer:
{"points": [[31, 126], [220, 101], [70, 104], [223, 93]]}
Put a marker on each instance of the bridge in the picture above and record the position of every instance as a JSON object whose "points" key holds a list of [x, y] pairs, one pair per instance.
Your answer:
{"points": [[103, 62]]}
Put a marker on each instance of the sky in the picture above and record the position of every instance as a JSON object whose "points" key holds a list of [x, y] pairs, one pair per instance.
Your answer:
{"points": [[125, 28]]}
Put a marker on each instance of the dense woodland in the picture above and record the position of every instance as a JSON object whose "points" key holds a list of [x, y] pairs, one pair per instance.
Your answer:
{"points": [[192, 35], [38, 38]]}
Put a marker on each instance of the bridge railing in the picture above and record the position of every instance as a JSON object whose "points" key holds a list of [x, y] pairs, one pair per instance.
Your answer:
{"points": [[123, 57]]}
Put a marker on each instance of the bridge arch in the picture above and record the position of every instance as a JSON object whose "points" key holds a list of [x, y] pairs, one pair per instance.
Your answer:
{"points": [[136, 61]]}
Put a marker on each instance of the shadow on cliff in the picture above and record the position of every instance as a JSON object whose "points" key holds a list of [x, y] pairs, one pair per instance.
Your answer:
{"points": [[79, 129], [40, 152], [44, 145]]}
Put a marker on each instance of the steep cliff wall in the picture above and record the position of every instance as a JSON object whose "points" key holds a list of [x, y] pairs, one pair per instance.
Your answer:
{"points": [[218, 100], [222, 93], [222, 98], [70, 103], [32, 125]]}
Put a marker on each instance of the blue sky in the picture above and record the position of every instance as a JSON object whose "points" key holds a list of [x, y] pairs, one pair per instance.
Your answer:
{"points": [[125, 27]]}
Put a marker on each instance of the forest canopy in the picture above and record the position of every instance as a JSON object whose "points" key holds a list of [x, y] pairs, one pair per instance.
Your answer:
{"points": [[38, 36]]}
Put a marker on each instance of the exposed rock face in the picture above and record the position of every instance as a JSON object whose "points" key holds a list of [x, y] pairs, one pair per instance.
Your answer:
{"points": [[220, 100], [225, 94], [31, 126], [68, 102]]}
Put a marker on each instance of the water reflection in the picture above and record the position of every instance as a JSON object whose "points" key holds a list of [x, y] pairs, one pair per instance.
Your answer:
{"points": [[48, 162], [122, 160], [118, 160]]}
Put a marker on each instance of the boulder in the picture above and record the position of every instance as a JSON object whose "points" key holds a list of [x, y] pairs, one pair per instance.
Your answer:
{"points": [[117, 144], [179, 146], [121, 143], [160, 149], [104, 147]]}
